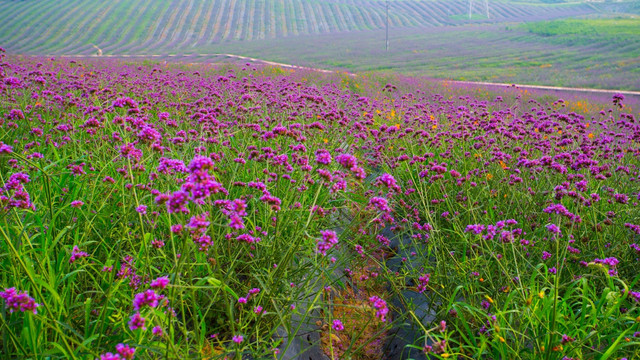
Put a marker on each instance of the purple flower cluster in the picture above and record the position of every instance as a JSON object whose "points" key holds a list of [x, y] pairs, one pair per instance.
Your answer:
{"points": [[337, 325], [611, 262], [381, 204], [561, 210], [389, 182], [77, 254], [323, 157], [351, 162], [490, 232], [328, 240], [14, 194], [148, 299], [423, 281], [381, 307], [198, 225], [18, 301], [199, 185], [234, 210], [123, 352]]}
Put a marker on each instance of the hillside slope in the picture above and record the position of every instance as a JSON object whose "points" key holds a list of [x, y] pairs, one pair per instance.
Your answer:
{"points": [[150, 26]]}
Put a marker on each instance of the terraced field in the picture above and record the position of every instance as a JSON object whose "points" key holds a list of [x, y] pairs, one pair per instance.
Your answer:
{"points": [[151, 26]]}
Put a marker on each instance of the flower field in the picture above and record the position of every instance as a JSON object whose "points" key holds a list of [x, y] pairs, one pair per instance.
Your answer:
{"points": [[147, 26], [156, 211]]}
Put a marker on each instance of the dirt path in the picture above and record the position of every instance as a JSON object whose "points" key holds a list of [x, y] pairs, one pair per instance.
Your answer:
{"points": [[246, 58], [555, 88], [290, 66]]}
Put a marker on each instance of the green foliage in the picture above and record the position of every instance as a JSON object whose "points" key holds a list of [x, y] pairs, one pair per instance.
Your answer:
{"points": [[602, 29]]}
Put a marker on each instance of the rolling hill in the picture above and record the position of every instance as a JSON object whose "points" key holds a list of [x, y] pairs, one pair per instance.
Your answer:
{"points": [[151, 26]]}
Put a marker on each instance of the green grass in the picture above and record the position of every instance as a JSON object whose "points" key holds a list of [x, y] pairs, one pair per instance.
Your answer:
{"points": [[599, 28], [463, 17], [474, 52]]}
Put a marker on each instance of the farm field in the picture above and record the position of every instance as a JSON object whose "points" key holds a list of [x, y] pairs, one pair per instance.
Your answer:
{"points": [[604, 57], [238, 211], [147, 26]]}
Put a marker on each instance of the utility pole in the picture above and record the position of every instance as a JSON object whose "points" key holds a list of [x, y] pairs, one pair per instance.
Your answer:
{"points": [[486, 4], [386, 47], [470, 8]]}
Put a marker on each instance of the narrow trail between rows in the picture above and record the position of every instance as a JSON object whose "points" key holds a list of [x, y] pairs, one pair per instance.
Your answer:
{"points": [[297, 67]]}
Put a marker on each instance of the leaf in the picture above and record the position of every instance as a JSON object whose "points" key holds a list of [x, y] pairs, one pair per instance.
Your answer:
{"points": [[357, 198], [219, 284], [90, 339], [40, 281], [614, 346], [60, 235]]}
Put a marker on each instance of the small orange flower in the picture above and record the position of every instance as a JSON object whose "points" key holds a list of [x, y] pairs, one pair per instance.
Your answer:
{"points": [[590, 135]]}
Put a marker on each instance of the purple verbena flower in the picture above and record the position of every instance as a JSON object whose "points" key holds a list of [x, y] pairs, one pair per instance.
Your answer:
{"points": [[137, 322], [381, 306], [19, 301], [147, 298], [160, 283], [329, 239], [77, 254], [337, 325]]}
